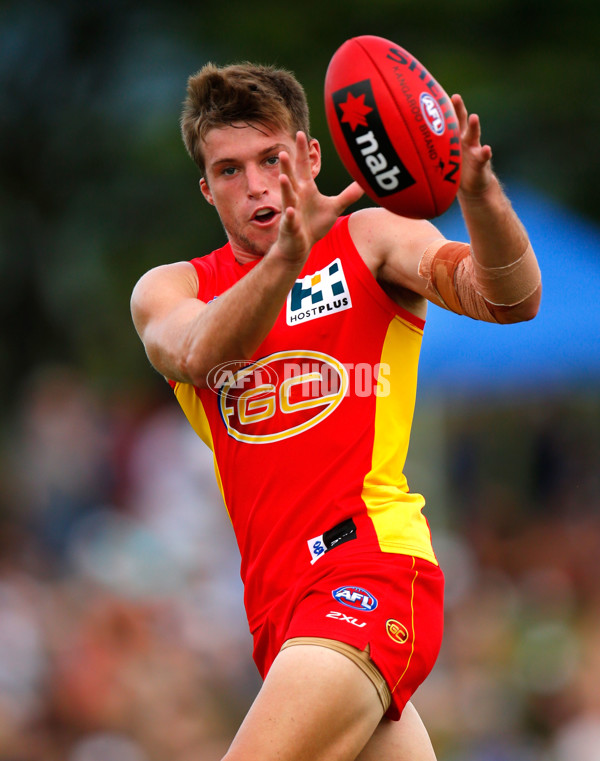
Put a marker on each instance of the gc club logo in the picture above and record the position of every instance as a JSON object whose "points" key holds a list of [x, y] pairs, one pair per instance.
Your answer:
{"points": [[355, 597], [281, 395], [396, 631]]}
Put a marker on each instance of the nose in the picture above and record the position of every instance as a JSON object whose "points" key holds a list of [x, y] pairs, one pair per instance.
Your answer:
{"points": [[256, 185]]}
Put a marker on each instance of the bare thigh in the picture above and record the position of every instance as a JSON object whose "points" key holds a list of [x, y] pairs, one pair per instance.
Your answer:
{"points": [[317, 705], [314, 705], [404, 740]]}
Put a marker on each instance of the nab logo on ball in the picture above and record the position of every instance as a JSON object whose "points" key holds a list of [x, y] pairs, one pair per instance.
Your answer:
{"points": [[367, 139], [355, 597]]}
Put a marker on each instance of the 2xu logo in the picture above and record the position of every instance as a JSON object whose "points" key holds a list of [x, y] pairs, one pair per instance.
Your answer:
{"points": [[339, 616], [355, 597]]}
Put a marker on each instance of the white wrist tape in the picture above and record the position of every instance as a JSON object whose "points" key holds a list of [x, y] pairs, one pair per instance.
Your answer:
{"points": [[509, 284]]}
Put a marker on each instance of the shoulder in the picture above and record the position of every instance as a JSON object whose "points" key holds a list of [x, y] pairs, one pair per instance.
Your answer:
{"points": [[180, 275], [163, 284], [377, 232], [391, 245]]}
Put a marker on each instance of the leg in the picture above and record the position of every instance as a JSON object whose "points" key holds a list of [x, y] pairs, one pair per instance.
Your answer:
{"points": [[315, 705], [404, 740]]}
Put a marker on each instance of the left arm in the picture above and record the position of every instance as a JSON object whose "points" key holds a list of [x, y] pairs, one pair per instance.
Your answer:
{"points": [[505, 268], [496, 278]]}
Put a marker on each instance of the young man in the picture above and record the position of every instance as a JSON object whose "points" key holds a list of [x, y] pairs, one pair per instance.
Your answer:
{"points": [[293, 351]]}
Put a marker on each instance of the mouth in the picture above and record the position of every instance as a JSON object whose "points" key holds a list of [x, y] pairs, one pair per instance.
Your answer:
{"points": [[264, 215]]}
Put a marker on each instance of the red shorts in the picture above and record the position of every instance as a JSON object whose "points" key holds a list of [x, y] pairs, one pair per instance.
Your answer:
{"points": [[393, 603]]}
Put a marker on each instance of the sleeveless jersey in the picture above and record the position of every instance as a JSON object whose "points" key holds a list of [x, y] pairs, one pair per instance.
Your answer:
{"points": [[310, 438]]}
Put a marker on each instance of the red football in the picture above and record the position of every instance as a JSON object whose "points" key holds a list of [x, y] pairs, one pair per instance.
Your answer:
{"points": [[393, 126]]}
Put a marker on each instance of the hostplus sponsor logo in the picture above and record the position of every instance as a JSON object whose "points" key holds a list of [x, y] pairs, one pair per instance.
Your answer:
{"points": [[368, 141], [323, 293]]}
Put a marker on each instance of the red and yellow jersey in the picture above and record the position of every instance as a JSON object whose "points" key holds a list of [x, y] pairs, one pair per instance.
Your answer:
{"points": [[310, 438]]}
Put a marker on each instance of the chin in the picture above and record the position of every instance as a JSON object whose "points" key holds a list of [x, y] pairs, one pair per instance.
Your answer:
{"points": [[250, 248]]}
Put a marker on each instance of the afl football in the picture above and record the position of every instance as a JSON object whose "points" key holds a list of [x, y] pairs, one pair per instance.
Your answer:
{"points": [[393, 126]]}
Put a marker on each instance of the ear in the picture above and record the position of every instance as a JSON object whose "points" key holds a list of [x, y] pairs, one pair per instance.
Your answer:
{"points": [[206, 191], [314, 154]]}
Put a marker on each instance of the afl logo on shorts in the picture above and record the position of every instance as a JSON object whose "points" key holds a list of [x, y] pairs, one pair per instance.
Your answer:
{"points": [[396, 631], [355, 597], [281, 395]]}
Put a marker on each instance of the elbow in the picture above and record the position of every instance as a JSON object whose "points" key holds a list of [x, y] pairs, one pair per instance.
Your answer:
{"points": [[203, 373], [194, 359], [181, 367], [522, 312], [193, 370], [530, 311]]}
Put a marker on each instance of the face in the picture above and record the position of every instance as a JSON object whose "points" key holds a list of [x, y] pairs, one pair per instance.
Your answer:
{"points": [[242, 182]]}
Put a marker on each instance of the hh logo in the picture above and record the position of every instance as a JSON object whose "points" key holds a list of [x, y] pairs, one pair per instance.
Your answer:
{"points": [[317, 295], [355, 597]]}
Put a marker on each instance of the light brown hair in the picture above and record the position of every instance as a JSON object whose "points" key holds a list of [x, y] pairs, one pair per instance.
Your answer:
{"points": [[245, 92]]}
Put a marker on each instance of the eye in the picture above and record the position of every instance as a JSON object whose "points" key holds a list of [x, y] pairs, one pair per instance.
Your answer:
{"points": [[272, 160], [228, 171]]}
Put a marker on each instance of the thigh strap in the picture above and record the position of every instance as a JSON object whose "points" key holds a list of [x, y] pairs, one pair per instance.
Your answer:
{"points": [[361, 658]]}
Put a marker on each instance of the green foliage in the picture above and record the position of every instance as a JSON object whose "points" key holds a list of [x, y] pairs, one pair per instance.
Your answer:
{"points": [[96, 186]]}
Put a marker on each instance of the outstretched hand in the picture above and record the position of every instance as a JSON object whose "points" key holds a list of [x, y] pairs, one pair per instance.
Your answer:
{"points": [[306, 214], [476, 173]]}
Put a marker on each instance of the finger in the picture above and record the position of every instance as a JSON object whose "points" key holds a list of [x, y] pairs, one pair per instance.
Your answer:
{"points": [[486, 153], [472, 135], [289, 221], [289, 199], [348, 196], [286, 168], [460, 110], [303, 165]]}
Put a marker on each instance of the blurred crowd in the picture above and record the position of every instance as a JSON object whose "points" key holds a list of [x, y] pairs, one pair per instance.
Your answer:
{"points": [[122, 633]]}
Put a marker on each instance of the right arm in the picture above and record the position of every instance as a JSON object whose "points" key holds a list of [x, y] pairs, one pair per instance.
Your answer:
{"points": [[185, 338]]}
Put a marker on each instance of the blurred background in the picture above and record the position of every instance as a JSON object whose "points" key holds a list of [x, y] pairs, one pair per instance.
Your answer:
{"points": [[122, 634]]}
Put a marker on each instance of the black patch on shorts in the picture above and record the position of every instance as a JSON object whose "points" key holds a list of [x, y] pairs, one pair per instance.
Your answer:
{"points": [[343, 532]]}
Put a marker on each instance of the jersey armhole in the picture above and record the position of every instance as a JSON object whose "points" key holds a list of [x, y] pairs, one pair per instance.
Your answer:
{"points": [[200, 268], [367, 278]]}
